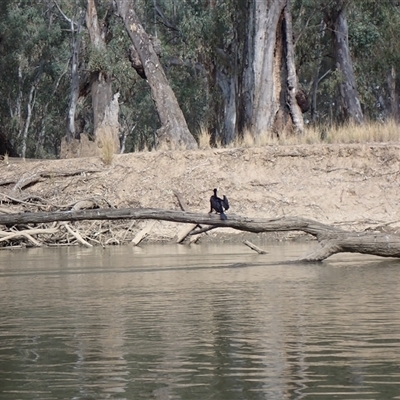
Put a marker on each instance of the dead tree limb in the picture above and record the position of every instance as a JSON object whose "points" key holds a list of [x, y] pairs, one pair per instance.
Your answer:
{"points": [[143, 233], [31, 178], [254, 247], [76, 235], [27, 234], [331, 239]]}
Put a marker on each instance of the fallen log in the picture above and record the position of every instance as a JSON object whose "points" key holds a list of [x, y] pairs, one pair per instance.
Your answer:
{"points": [[254, 247], [331, 240]]}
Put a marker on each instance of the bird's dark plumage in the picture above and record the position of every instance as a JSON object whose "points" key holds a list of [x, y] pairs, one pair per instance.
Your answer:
{"points": [[219, 205], [225, 203]]}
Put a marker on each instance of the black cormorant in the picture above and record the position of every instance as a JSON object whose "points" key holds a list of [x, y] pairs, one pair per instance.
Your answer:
{"points": [[219, 205]]}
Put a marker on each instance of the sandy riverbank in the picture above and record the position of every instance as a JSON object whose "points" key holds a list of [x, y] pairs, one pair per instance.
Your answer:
{"points": [[354, 186]]}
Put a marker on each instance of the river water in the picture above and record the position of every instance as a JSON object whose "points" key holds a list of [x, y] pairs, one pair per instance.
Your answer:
{"points": [[201, 322]]}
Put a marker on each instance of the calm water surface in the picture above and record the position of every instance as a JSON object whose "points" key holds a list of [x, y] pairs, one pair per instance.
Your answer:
{"points": [[201, 322]]}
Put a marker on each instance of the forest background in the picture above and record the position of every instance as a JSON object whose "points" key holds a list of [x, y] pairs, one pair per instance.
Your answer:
{"points": [[239, 68]]}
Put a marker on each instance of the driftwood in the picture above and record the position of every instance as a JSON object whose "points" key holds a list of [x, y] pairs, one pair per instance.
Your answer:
{"points": [[27, 234], [254, 247], [185, 232], [331, 240], [76, 235], [29, 179], [143, 233]]}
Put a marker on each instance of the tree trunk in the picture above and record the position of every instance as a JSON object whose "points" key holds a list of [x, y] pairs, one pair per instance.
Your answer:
{"points": [[228, 68], [76, 43], [105, 105], [246, 82], [30, 106], [337, 21], [317, 78], [393, 96], [174, 132], [331, 240], [266, 65], [274, 84], [292, 81], [227, 84], [17, 112]]}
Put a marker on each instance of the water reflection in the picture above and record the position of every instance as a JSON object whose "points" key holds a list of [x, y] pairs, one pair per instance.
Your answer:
{"points": [[205, 322]]}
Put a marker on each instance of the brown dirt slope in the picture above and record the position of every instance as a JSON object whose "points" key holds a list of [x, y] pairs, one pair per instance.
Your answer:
{"points": [[355, 186]]}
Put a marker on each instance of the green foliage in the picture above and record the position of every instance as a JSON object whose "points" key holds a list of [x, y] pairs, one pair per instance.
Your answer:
{"points": [[198, 37], [374, 50], [33, 47], [99, 60], [372, 31]]}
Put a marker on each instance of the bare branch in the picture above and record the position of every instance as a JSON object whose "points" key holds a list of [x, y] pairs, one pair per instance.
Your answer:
{"points": [[76, 235], [254, 247], [69, 20]]}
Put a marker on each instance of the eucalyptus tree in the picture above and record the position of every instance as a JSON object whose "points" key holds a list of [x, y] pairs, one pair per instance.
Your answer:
{"points": [[100, 78], [246, 53], [274, 81], [347, 57], [32, 67], [232, 65], [174, 131], [75, 22], [373, 29], [259, 64], [104, 102], [336, 21]]}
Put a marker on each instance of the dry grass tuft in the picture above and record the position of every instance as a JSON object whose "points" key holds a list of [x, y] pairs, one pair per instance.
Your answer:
{"points": [[266, 139], [107, 148], [107, 151], [247, 140], [162, 145], [204, 138]]}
